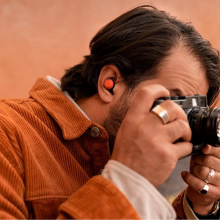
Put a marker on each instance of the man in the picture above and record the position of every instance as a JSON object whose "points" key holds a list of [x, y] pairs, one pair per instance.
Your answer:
{"points": [[54, 145]]}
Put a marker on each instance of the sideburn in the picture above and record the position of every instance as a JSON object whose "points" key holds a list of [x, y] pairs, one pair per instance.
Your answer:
{"points": [[116, 115]]}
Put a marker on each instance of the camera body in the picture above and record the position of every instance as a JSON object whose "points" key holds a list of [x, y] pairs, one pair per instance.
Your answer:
{"points": [[204, 122]]}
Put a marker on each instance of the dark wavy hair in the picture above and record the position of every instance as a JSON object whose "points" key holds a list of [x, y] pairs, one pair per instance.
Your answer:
{"points": [[137, 42]]}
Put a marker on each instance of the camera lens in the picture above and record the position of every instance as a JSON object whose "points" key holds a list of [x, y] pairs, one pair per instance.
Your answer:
{"points": [[205, 126]]}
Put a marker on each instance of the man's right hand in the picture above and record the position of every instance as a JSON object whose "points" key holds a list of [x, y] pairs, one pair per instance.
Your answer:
{"points": [[146, 145]]}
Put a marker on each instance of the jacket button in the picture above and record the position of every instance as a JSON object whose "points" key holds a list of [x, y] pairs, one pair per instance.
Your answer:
{"points": [[95, 132]]}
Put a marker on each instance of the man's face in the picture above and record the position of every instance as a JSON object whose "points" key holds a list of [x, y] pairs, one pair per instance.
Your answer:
{"points": [[180, 73]]}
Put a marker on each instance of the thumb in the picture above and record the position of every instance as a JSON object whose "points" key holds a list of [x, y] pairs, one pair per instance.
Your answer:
{"points": [[184, 175]]}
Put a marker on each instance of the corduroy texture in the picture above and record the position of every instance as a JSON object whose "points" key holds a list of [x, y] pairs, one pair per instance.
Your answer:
{"points": [[47, 154], [96, 190], [178, 205]]}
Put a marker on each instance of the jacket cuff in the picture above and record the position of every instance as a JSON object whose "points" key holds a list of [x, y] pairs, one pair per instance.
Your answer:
{"points": [[98, 199], [144, 197], [187, 209]]}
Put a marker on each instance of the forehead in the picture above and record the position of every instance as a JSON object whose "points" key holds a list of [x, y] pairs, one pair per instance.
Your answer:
{"points": [[182, 74]]}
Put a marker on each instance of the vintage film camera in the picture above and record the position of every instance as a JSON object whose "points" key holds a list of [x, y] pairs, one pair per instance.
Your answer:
{"points": [[204, 122]]}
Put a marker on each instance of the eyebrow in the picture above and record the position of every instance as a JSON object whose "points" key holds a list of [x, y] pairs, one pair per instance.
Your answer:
{"points": [[175, 92]]}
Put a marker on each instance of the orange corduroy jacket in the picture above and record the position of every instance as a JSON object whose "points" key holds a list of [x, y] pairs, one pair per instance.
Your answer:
{"points": [[50, 161]]}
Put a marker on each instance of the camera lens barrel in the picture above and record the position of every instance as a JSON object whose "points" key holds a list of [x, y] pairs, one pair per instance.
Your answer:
{"points": [[205, 126]]}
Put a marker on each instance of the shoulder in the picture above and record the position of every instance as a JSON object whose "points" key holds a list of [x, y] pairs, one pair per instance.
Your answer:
{"points": [[6, 104], [12, 116]]}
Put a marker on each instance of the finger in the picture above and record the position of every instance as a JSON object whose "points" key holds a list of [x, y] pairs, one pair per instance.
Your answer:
{"points": [[202, 173], [214, 151], [206, 160], [145, 98], [183, 149], [176, 130], [174, 111], [197, 184]]}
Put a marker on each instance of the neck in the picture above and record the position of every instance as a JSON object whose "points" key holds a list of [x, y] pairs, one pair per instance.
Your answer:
{"points": [[93, 108]]}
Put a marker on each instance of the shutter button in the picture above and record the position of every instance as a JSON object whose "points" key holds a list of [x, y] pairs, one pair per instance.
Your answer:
{"points": [[95, 132]]}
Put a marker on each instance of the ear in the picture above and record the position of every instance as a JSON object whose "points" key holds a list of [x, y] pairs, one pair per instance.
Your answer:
{"points": [[108, 72]]}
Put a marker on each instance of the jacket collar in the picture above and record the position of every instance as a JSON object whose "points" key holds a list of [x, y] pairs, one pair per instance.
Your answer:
{"points": [[72, 122]]}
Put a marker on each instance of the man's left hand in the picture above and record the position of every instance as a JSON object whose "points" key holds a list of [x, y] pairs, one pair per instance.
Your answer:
{"points": [[200, 166]]}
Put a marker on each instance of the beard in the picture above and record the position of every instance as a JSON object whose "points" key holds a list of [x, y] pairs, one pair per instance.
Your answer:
{"points": [[116, 115]]}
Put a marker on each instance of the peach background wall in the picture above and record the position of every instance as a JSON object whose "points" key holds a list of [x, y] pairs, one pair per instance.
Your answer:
{"points": [[45, 37]]}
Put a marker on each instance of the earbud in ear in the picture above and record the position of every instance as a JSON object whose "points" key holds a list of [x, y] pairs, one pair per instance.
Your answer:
{"points": [[109, 85]]}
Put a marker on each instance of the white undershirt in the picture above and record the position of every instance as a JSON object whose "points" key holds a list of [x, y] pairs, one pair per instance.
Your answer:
{"points": [[144, 197]]}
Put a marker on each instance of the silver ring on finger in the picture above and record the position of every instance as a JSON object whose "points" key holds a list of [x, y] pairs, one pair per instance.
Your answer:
{"points": [[204, 190], [161, 112], [210, 176]]}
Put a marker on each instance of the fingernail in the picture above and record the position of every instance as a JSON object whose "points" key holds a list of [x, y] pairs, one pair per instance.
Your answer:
{"points": [[183, 173]]}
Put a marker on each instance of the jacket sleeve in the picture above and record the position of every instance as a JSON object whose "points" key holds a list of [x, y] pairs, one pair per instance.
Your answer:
{"points": [[143, 196], [178, 205], [12, 188], [102, 197], [97, 199]]}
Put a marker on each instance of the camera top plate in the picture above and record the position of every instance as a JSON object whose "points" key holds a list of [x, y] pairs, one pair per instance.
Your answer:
{"points": [[186, 102]]}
